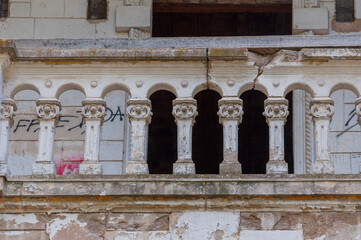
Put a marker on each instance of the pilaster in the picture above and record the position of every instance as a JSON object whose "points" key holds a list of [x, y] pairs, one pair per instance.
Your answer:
{"points": [[139, 114], [322, 111], [276, 112], [230, 116], [184, 112], [93, 113]]}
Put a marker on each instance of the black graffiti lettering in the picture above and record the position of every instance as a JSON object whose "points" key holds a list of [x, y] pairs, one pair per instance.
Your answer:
{"points": [[62, 120], [118, 113], [108, 116], [34, 122], [80, 125], [351, 115], [20, 125]]}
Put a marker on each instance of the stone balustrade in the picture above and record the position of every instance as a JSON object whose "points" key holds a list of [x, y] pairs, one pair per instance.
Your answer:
{"points": [[275, 75]]}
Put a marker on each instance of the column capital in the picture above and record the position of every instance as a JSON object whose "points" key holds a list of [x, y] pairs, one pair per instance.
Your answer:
{"points": [[185, 109], [322, 108], [94, 109], [230, 109], [48, 108], [7, 110], [139, 109], [276, 109]]}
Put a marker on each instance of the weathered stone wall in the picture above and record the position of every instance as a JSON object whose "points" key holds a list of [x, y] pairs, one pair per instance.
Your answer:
{"points": [[46, 19], [217, 225]]}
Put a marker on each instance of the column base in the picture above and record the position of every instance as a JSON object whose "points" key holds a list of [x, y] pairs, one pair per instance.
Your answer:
{"points": [[230, 168], [4, 170], [184, 167], [323, 166], [44, 168], [136, 168], [276, 167], [90, 168]]}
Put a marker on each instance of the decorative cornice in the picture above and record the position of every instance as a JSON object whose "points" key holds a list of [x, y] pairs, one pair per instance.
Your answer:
{"points": [[139, 109], [230, 109], [322, 108], [94, 109], [48, 109], [276, 109], [185, 109], [7, 110]]}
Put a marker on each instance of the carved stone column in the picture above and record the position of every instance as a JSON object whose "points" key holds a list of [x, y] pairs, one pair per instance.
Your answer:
{"points": [[93, 113], [7, 111], [139, 114], [48, 113], [276, 112], [184, 112], [230, 116], [322, 112]]}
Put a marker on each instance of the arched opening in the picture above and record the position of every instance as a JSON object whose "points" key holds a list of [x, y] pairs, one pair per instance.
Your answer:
{"points": [[253, 134], [162, 134], [24, 134], [345, 133], [207, 134], [288, 137], [70, 133]]}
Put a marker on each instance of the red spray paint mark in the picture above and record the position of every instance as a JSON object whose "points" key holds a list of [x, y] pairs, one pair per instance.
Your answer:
{"points": [[69, 165]]}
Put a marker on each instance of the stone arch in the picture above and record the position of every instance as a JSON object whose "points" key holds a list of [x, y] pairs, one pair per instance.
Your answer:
{"points": [[114, 87], [22, 87], [252, 86], [299, 86], [161, 86], [203, 86], [344, 86], [67, 87]]}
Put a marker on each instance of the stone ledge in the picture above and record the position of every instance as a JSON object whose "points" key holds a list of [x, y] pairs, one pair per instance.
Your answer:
{"points": [[193, 185], [202, 48]]}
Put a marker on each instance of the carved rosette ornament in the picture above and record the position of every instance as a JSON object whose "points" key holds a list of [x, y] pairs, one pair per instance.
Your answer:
{"points": [[48, 109], [322, 109], [94, 110], [139, 109], [311, 3], [184, 109], [230, 109], [7, 110], [276, 109]]}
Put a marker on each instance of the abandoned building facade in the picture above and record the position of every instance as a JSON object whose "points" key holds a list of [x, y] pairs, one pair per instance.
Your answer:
{"points": [[180, 119]]}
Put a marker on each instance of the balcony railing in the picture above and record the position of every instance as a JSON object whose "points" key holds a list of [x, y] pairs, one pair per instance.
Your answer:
{"points": [[184, 72]]}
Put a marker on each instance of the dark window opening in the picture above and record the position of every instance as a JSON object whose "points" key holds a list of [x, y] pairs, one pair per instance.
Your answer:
{"points": [[4, 7], [207, 147], [345, 11], [288, 139], [253, 134], [197, 20], [97, 9], [162, 138]]}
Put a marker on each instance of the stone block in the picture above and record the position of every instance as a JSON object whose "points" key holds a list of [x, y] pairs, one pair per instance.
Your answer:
{"points": [[40, 168], [76, 8], [125, 235], [17, 28], [276, 167], [47, 8], [112, 167], [76, 226], [30, 221], [230, 168], [23, 235], [271, 235], [205, 225], [315, 19], [64, 28], [184, 168], [128, 17], [111, 150], [89, 168], [19, 10], [138, 222]]}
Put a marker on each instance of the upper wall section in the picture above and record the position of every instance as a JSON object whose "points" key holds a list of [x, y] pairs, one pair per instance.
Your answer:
{"points": [[318, 17], [49, 19]]}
